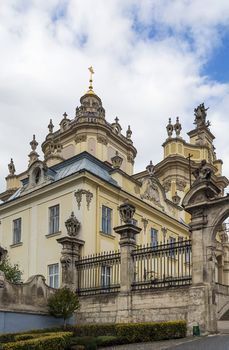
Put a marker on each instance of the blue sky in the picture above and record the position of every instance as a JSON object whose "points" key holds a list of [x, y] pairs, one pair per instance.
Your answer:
{"points": [[153, 59], [217, 65]]}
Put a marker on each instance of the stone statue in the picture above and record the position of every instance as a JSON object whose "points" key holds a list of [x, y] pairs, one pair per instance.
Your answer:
{"points": [[50, 126], [200, 116], [11, 167], [204, 172]]}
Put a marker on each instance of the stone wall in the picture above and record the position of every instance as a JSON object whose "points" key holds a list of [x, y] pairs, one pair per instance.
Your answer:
{"points": [[144, 306], [24, 306]]}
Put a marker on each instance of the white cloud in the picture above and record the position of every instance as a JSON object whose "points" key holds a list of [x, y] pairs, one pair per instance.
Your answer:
{"points": [[46, 47]]}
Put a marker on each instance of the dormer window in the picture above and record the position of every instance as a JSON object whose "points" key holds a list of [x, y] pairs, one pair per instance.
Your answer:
{"points": [[37, 175]]}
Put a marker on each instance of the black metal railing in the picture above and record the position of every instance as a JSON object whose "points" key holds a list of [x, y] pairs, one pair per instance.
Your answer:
{"points": [[162, 265], [99, 273]]}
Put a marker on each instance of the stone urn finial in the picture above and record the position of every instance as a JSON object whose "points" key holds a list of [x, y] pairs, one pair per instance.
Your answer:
{"points": [[72, 225], [169, 128], [126, 212], [150, 168]]}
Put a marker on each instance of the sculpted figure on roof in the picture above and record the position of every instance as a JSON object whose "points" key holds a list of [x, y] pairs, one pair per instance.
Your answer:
{"points": [[200, 116]]}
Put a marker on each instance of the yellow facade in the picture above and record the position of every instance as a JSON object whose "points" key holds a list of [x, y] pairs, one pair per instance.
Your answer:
{"points": [[88, 170]]}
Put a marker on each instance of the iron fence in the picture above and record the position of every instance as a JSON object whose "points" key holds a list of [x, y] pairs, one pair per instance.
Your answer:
{"points": [[162, 265], [99, 273]]}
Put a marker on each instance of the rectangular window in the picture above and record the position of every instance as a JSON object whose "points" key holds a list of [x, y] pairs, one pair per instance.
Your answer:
{"points": [[17, 231], [106, 220], [54, 213], [153, 237], [172, 242], [53, 275], [105, 276]]}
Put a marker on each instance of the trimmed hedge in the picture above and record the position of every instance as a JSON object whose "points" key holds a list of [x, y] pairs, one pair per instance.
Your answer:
{"points": [[10, 337], [88, 342], [53, 341], [107, 340], [93, 330], [134, 332]]}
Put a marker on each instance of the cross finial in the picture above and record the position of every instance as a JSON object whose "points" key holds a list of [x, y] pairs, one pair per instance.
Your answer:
{"points": [[116, 120], [91, 70], [65, 115]]}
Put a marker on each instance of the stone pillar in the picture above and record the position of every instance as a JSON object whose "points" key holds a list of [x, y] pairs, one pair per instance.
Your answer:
{"points": [[70, 253], [127, 243]]}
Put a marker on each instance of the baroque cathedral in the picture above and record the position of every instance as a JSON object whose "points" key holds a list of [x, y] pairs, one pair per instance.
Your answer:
{"points": [[86, 173]]}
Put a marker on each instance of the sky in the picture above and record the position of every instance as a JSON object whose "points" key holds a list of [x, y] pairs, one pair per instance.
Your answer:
{"points": [[153, 59]]}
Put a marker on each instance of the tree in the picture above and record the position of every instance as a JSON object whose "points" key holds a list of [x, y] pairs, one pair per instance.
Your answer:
{"points": [[63, 303], [12, 271]]}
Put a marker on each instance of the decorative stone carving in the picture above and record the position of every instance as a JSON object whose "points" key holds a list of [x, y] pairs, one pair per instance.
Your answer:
{"points": [[11, 167], [204, 172], [102, 139], [79, 195], [169, 128], [151, 193], [33, 143], [81, 138], [128, 133], [65, 122], [167, 185], [126, 212], [116, 161], [3, 253], [50, 126], [72, 225], [176, 199], [200, 116], [130, 158], [89, 197], [150, 169], [33, 156], [116, 126], [177, 127], [180, 184], [164, 232], [2, 279], [145, 223]]}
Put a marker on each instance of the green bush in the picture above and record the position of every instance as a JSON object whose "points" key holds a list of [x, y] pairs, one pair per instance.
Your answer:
{"points": [[63, 303], [93, 330], [144, 332], [10, 337], [88, 342], [134, 332], [53, 341], [107, 340]]}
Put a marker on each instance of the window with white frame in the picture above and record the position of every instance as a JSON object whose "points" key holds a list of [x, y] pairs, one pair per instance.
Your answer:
{"points": [[54, 218], [153, 237], [106, 220], [53, 275], [17, 231], [105, 276]]}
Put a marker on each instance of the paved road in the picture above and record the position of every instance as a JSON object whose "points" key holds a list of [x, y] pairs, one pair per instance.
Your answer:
{"points": [[217, 342]]}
